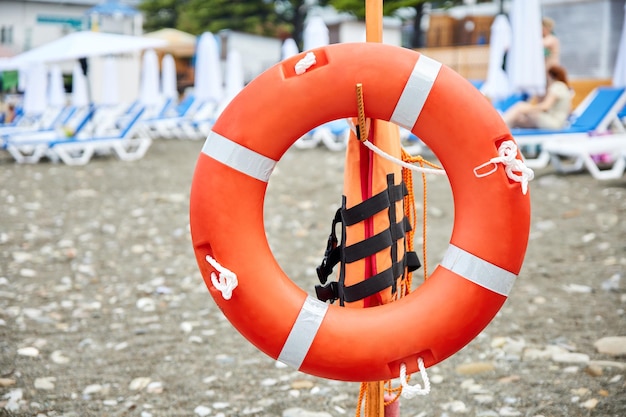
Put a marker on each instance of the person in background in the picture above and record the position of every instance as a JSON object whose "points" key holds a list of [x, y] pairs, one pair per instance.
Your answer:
{"points": [[8, 114], [551, 44], [551, 112]]}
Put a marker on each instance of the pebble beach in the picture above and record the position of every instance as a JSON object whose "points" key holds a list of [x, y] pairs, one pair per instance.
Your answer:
{"points": [[103, 311]]}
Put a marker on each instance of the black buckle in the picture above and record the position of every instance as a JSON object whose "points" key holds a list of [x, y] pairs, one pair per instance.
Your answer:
{"points": [[328, 292], [412, 261], [331, 255]]}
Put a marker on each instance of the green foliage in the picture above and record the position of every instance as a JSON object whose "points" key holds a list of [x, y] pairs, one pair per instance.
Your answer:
{"points": [[357, 7], [198, 16], [278, 18], [160, 13]]}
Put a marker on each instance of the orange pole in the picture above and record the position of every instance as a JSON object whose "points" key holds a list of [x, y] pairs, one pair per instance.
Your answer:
{"points": [[375, 403], [374, 20]]}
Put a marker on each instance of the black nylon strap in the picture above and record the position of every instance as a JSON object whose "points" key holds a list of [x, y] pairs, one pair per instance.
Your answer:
{"points": [[387, 239], [397, 192], [398, 230], [365, 209], [368, 247], [375, 204], [375, 283], [394, 192]]}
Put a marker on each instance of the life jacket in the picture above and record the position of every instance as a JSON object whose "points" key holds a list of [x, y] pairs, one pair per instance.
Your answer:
{"points": [[372, 250]]}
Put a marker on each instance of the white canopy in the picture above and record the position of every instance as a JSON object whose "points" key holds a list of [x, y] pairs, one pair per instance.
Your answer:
{"points": [[84, 44]]}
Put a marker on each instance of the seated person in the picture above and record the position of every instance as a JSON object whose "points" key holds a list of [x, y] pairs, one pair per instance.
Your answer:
{"points": [[550, 112]]}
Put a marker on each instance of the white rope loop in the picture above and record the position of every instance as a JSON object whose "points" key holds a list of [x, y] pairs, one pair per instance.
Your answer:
{"points": [[227, 280], [393, 159], [305, 63], [514, 168], [400, 162], [410, 391]]}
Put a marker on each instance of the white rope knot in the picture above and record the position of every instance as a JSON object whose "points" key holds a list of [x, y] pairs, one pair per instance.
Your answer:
{"points": [[227, 280], [410, 391], [305, 63], [514, 168]]}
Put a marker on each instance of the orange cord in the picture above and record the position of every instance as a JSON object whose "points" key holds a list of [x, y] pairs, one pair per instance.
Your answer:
{"points": [[363, 130], [409, 204], [411, 213]]}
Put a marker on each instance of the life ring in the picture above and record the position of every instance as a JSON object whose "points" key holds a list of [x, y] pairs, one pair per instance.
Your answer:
{"points": [[464, 292]]}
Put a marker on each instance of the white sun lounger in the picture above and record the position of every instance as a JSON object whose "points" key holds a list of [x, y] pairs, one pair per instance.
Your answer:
{"points": [[596, 115], [603, 157]]}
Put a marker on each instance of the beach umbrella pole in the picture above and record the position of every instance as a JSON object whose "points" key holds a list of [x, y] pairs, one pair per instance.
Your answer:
{"points": [[84, 66]]}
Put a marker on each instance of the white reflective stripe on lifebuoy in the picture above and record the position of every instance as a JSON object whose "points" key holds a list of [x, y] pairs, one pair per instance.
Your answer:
{"points": [[478, 271], [303, 332], [238, 157], [416, 92]]}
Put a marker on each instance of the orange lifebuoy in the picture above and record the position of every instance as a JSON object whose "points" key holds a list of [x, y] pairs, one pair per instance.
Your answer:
{"points": [[443, 314]]}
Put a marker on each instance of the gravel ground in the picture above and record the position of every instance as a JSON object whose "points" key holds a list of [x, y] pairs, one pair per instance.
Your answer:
{"points": [[103, 311]]}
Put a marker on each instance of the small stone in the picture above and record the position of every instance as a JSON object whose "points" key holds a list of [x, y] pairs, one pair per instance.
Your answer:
{"points": [[578, 289], [611, 284], [45, 383], [28, 273], [220, 405], [186, 327], [58, 357], [7, 382], [579, 392], [436, 379], [483, 398], [13, 399], [612, 345], [251, 410], [474, 368], [589, 237], [299, 412], [146, 304], [455, 406], [509, 379], [138, 384], [28, 351], [268, 382], [593, 370], [509, 412], [570, 357], [302, 384], [120, 346], [155, 387], [202, 411], [571, 369], [92, 389], [590, 404]]}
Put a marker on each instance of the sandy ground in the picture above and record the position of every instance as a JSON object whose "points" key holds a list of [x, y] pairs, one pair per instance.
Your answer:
{"points": [[103, 311]]}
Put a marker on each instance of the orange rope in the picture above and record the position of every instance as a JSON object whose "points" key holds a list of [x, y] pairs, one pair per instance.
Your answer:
{"points": [[363, 131], [362, 391], [411, 213], [409, 203]]}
